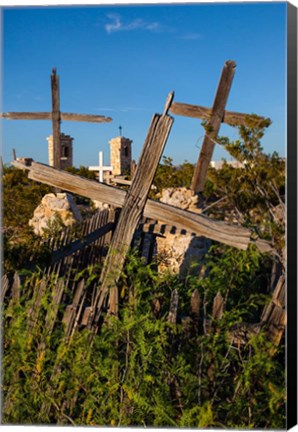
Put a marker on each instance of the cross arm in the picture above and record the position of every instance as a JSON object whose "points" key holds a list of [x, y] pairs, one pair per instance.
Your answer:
{"points": [[48, 116], [97, 168], [231, 118], [85, 118], [26, 116]]}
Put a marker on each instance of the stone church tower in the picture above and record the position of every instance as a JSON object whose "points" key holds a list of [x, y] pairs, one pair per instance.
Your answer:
{"points": [[66, 151], [120, 155]]}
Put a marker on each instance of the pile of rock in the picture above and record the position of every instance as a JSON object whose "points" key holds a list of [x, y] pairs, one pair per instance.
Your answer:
{"points": [[52, 207], [182, 198]]}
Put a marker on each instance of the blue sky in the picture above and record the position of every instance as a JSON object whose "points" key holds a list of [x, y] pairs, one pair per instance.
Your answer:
{"points": [[122, 61]]}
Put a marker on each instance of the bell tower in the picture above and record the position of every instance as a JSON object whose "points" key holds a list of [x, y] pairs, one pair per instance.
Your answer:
{"points": [[120, 155], [66, 151]]}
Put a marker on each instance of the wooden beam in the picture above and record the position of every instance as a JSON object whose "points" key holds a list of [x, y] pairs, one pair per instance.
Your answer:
{"points": [[91, 118], [124, 182], [218, 109], [26, 116], [56, 118], [222, 232], [229, 117], [132, 211]]}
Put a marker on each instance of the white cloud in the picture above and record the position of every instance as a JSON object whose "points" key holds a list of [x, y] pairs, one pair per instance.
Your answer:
{"points": [[117, 25]]}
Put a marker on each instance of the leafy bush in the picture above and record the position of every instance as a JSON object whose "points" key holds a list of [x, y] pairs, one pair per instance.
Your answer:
{"points": [[20, 197], [168, 175], [143, 371]]}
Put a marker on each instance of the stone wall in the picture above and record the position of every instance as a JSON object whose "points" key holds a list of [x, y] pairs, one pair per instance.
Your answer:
{"points": [[181, 253]]}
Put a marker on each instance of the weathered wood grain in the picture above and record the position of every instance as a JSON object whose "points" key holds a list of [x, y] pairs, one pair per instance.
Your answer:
{"points": [[71, 310], [229, 117], [26, 116], [217, 113], [133, 206], [80, 244], [274, 315], [52, 313], [4, 287], [195, 304], [56, 118], [34, 309], [222, 232], [15, 291], [218, 306], [172, 316], [88, 118]]}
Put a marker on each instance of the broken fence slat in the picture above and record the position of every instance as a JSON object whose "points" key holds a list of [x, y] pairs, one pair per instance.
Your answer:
{"points": [[89, 238], [172, 317], [195, 304], [218, 306], [274, 315], [4, 287]]}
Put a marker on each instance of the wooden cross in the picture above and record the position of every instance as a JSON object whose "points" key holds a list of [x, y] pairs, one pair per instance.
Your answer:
{"points": [[100, 168], [56, 116], [120, 130], [215, 116]]}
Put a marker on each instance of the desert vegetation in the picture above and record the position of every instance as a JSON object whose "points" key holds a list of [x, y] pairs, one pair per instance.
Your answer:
{"points": [[168, 359]]}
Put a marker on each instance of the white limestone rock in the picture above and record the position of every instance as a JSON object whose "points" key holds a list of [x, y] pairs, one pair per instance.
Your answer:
{"points": [[182, 197], [59, 205], [180, 253], [100, 205]]}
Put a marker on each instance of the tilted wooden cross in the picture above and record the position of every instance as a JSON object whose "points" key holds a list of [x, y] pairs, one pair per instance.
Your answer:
{"points": [[56, 116], [215, 116], [101, 168]]}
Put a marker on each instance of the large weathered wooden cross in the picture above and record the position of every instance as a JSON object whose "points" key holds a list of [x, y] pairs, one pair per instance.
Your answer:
{"points": [[56, 116], [215, 116]]}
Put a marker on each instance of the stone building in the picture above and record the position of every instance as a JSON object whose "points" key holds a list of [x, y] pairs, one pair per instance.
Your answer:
{"points": [[120, 155], [219, 164], [66, 160]]}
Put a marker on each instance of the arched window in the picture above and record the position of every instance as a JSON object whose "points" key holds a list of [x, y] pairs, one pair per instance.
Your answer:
{"points": [[125, 151], [66, 152]]}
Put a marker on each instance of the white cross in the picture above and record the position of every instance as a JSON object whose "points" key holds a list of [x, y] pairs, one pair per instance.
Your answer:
{"points": [[100, 168]]}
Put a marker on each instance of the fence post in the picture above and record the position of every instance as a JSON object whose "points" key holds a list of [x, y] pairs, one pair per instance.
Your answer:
{"points": [[218, 306]]}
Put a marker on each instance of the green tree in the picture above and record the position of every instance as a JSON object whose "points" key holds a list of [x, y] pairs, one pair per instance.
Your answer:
{"points": [[254, 194], [20, 197], [168, 175]]}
